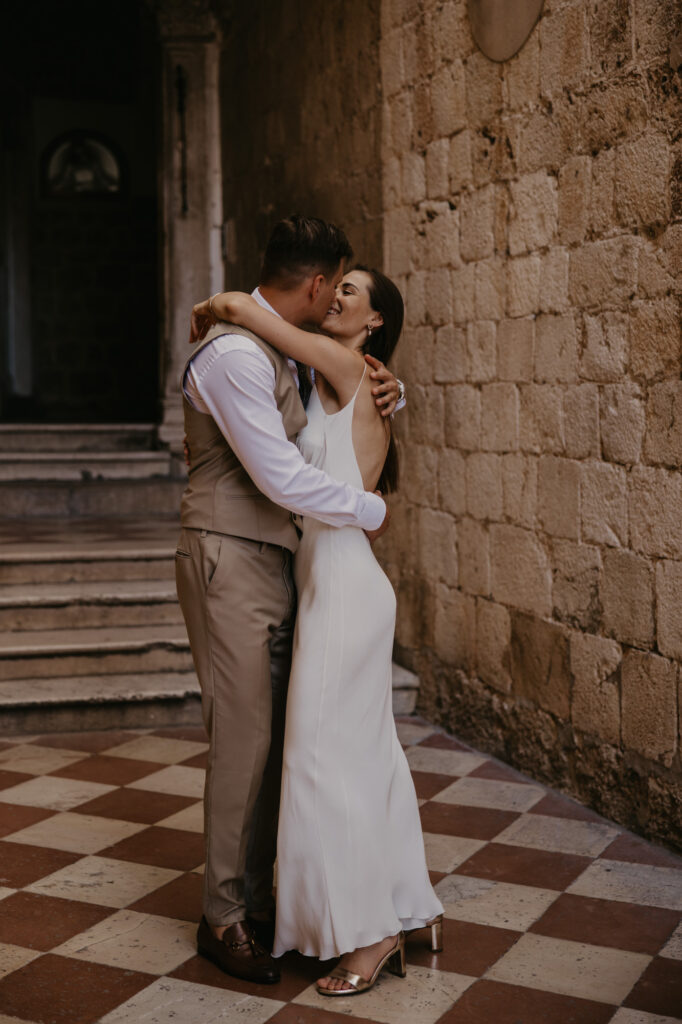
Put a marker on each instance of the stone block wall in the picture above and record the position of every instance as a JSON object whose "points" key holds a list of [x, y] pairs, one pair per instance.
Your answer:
{"points": [[533, 220], [300, 96]]}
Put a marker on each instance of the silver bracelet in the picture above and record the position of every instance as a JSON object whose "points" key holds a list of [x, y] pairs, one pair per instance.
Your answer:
{"points": [[210, 305]]}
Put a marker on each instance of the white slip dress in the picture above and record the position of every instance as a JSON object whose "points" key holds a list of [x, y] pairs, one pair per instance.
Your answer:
{"points": [[351, 868]]}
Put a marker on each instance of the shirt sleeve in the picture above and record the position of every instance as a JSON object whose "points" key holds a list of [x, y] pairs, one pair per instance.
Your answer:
{"points": [[236, 385]]}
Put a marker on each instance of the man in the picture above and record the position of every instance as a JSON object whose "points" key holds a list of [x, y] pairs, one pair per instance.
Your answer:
{"points": [[234, 580]]}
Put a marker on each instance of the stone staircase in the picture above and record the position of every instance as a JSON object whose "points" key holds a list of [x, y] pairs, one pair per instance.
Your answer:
{"points": [[91, 634], [86, 470]]}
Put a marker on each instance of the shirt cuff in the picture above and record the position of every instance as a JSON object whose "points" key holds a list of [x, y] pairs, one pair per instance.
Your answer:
{"points": [[372, 512]]}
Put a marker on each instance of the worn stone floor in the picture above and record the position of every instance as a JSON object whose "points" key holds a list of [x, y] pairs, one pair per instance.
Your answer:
{"points": [[553, 915]]}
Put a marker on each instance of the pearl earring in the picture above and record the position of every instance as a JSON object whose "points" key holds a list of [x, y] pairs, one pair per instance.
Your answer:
{"points": [[369, 328]]}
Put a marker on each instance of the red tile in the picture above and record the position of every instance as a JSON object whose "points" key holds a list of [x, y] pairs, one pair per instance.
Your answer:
{"points": [[499, 773], [43, 922], [467, 948], [437, 876], [659, 990], [21, 864], [180, 899], [490, 1002], [8, 779], [523, 866], [469, 822], [637, 851], [57, 990], [307, 1015], [92, 742], [556, 805], [639, 929], [14, 817], [443, 742], [427, 784], [195, 733], [136, 805], [162, 847], [198, 761], [298, 972], [114, 771]]}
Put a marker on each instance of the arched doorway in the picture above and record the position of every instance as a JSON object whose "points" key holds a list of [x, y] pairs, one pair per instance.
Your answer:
{"points": [[80, 337]]}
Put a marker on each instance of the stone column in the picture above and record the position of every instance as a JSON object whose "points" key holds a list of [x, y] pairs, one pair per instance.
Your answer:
{"points": [[191, 187]]}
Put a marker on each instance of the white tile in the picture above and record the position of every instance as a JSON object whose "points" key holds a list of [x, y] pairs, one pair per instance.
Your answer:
{"points": [[78, 833], [14, 957], [501, 796], [103, 880], [624, 1016], [191, 819], [36, 760], [444, 762], [570, 968], [673, 947], [135, 942], [159, 749], [169, 1001], [10, 1020], [4, 892], [445, 853], [56, 794], [498, 904], [176, 779], [631, 883], [411, 732], [561, 835], [423, 996]]}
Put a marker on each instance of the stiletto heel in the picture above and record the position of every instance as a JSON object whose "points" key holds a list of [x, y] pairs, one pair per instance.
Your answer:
{"points": [[436, 927], [394, 961]]}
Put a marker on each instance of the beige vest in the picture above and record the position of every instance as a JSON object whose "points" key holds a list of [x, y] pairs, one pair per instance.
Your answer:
{"points": [[220, 495]]}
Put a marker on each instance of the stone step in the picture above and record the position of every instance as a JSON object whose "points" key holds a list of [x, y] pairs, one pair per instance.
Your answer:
{"points": [[151, 496], [94, 651], [83, 466], [41, 563], [119, 700], [76, 437], [45, 606]]}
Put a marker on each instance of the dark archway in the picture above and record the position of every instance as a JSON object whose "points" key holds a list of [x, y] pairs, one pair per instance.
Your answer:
{"points": [[79, 220]]}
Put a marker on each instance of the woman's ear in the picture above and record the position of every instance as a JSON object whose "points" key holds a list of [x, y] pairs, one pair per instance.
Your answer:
{"points": [[376, 321]]}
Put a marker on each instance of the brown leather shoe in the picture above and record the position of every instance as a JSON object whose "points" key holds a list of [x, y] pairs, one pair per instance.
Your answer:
{"points": [[238, 953], [264, 932]]}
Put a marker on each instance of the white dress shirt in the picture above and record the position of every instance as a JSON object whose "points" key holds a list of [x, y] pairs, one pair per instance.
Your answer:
{"points": [[233, 380]]}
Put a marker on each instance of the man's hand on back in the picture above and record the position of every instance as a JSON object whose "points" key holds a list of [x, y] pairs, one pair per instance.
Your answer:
{"points": [[373, 535]]}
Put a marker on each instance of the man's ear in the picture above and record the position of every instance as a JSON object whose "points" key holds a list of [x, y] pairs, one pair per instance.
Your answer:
{"points": [[316, 283]]}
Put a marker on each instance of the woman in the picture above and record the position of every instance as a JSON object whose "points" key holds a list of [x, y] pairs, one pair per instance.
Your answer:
{"points": [[351, 867]]}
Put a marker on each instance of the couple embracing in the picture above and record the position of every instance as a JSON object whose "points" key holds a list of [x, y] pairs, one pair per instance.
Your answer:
{"points": [[280, 492]]}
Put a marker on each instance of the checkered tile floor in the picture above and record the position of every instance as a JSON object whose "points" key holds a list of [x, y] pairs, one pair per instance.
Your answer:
{"points": [[553, 915]]}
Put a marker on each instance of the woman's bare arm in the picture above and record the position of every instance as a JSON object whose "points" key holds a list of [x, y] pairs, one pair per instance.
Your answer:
{"points": [[338, 365]]}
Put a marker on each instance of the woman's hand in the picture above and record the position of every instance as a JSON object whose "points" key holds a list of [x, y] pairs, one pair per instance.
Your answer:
{"points": [[387, 392], [202, 318], [232, 307]]}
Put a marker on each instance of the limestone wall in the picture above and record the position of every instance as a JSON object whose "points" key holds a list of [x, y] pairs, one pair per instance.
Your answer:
{"points": [[532, 218], [301, 120]]}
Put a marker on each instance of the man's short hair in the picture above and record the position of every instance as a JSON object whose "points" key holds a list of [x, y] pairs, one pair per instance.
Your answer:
{"points": [[300, 246]]}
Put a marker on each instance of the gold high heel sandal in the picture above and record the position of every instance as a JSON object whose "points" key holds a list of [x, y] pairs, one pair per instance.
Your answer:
{"points": [[436, 927], [394, 961]]}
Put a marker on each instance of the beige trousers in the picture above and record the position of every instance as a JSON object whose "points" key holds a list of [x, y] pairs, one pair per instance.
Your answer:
{"points": [[239, 603]]}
